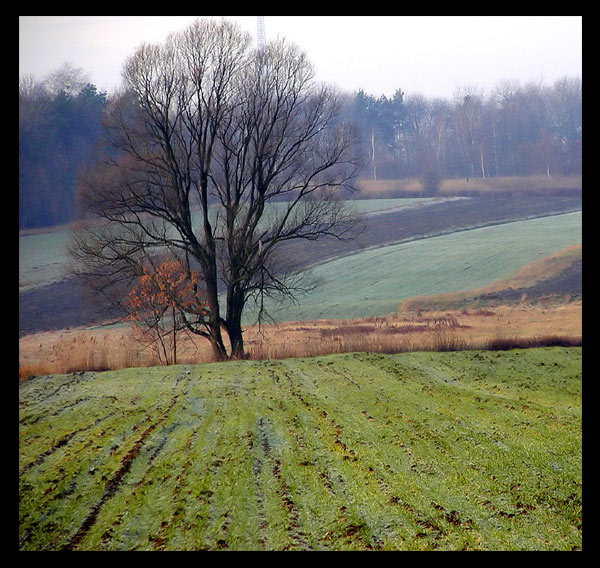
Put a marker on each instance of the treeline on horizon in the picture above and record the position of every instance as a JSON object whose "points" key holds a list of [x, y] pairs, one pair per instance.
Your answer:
{"points": [[515, 130]]}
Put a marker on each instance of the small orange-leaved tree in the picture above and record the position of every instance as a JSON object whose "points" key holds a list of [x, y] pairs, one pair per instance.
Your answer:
{"points": [[160, 305]]}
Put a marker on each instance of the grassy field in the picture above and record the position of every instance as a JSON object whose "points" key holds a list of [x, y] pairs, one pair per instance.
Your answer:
{"points": [[43, 254], [530, 303], [48, 301], [546, 279], [375, 281], [422, 451]]}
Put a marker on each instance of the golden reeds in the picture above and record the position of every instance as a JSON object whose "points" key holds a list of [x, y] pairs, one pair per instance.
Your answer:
{"points": [[525, 326]]}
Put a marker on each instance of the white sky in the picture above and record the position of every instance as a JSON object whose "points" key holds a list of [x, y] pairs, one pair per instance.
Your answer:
{"points": [[431, 55]]}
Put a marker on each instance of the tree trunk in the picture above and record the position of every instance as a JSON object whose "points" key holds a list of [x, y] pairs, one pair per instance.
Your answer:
{"points": [[214, 324], [219, 351], [482, 162], [174, 336], [373, 164], [235, 307], [237, 340]]}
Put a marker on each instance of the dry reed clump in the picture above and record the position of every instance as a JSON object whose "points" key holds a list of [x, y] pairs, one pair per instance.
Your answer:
{"points": [[377, 335], [75, 352], [92, 350], [508, 185], [504, 328], [508, 343]]}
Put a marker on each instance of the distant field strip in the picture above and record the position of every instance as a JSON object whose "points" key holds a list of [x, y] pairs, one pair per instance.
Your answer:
{"points": [[422, 451], [43, 256], [375, 281]]}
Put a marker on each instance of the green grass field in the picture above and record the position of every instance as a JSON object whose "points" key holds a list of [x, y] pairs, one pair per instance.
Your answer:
{"points": [[453, 451], [374, 282], [43, 256]]}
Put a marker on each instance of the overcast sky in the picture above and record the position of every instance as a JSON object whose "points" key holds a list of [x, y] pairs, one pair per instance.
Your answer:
{"points": [[430, 55]]}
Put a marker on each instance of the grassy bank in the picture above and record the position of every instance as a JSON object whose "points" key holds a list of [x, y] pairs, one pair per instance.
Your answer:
{"points": [[421, 451]]}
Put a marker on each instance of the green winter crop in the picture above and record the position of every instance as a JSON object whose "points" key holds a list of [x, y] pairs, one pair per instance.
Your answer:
{"points": [[467, 450]]}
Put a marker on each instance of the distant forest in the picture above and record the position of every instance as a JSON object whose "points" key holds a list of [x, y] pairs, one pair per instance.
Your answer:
{"points": [[59, 126], [514, 130]]}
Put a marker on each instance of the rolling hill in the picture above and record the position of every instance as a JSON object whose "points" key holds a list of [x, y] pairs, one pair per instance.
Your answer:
{"points": [[423, 451], [464, 450]]}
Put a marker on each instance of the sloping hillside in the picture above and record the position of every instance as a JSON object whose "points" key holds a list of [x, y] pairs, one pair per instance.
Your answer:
{"points": [[375, 281], [553, 279], [422, 451], [49, 301]]}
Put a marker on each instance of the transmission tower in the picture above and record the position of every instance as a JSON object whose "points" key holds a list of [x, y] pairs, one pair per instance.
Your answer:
{"points": [[260, 32]]}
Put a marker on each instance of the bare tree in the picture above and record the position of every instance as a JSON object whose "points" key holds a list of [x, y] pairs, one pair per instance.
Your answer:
{"points": [[220, 154], [469, 129], [67, 79]]}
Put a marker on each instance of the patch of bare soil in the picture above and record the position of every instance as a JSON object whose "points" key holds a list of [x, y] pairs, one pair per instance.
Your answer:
{"points": [[61, 305]]}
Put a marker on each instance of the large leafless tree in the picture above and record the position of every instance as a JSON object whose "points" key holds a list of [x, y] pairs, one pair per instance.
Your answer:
{"points": [[218, 154]]}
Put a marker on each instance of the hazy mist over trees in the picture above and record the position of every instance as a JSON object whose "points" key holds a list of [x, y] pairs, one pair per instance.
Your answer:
{"points": [[514, 130]]}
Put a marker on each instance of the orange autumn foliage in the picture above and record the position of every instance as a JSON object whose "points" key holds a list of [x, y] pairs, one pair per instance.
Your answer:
{"points": [[160, 304], [170, 286]]}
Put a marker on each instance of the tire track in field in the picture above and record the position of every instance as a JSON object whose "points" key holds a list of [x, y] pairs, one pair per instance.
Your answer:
{"points": [[34, 418], [347, 452], [260, 500], [277, 371], [62, 442], [357, 526], [37, 394], [113, 484], [430, 523], [39, 460], [108, 534], [159, 540], [322, 415], [297, 536]]}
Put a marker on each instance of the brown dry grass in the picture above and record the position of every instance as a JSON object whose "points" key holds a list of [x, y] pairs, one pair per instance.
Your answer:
{"points": [[412, 187], [429, 323], [102, 349]]}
